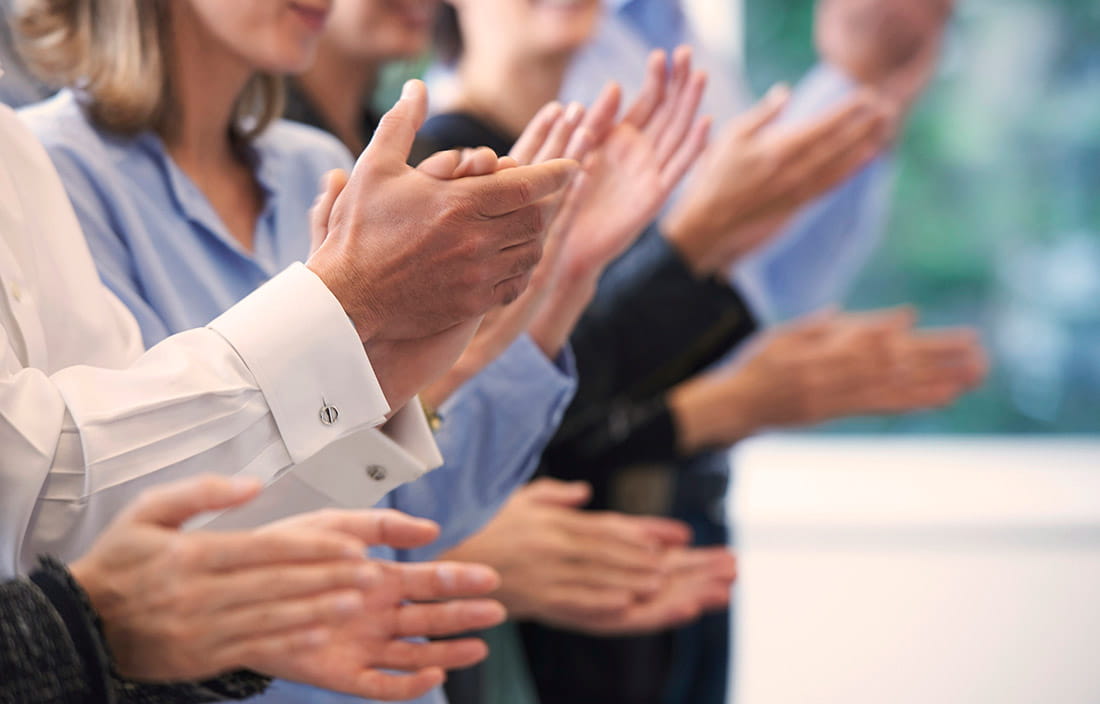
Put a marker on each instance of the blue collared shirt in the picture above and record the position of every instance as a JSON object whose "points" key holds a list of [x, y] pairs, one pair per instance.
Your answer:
{"points": [[813, 262], [163, 250]]}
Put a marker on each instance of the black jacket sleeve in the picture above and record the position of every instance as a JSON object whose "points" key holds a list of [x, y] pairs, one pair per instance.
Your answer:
{"points": [[652, 325], [52, 651]]}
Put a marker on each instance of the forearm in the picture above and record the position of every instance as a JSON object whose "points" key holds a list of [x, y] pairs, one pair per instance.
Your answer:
{"points": [[558, 317], [86, 440]]}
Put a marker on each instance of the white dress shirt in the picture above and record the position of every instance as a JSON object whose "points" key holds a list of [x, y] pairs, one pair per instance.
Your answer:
{"points": [[278, 387]]}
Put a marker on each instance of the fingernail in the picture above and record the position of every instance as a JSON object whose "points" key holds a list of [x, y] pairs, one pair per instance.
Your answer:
{"points": [[355, 551], [407, 89], [347, 603], [573, 114]]}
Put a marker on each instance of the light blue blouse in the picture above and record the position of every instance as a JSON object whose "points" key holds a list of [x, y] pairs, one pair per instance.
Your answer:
{"points": [[163, 250]]}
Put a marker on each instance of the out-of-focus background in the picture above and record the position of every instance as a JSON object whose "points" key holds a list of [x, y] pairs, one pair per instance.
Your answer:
{"points": [[996, 214]]}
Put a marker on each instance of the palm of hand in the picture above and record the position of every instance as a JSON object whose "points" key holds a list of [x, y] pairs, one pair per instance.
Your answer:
{"points": [[624, 194]]}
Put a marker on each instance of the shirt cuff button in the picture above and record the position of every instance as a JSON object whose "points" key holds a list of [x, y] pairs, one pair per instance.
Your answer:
{"points": [[329, 414], [376, 472]]}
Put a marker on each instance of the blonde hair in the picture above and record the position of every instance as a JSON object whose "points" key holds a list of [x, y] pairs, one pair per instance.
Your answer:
{"points": [[116, 53]]}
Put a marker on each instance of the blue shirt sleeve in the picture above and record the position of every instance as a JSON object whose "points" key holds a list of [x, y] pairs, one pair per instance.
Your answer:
{"points": [[494, 429], [100, 222]]}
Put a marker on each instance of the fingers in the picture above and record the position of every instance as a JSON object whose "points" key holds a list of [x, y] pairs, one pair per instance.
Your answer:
{"points": [[652, 92], [476, 162], [371, 526], [233, 551], [512, 189], [683, 118], [561, 134], [668, 532], [557, 493], [536, 133], [271, 617], [432, 581], [173, 504], [677, 84], [393, 140], [597, 122], [449, 654], [763, 113], [243, 587], [441, 165], [686, 154], [375, 684], [448, 618]]}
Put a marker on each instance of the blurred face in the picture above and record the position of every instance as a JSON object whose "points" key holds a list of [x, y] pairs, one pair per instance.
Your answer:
{"points": [[273, 36], [381, 30], [540, 27]]}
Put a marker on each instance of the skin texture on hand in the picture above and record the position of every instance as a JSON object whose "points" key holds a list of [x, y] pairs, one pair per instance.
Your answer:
{"points": [[637, 160], [824, 367], [756, 174], [280, 600], [596, 572], [410, 255]]}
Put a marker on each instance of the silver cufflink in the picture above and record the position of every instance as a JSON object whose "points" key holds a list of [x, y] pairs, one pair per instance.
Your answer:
{"points": [[376, 472], [328, 414]]}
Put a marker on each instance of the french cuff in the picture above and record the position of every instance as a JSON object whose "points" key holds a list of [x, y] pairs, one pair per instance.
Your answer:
{"points": [[410, 429], [307, 359]]}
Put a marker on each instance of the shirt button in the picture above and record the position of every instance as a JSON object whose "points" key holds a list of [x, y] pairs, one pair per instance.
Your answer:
{"points": [[376, 472], [329, 414]]}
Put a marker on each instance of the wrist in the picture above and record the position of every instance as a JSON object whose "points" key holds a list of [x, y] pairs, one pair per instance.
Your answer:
{"points": [[692, 238], [352, 297], [707, 416]]}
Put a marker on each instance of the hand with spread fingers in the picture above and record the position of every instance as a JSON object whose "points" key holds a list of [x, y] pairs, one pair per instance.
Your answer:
{"points": [[637, 160], [757, 172], [698, 580], [561, 565], [296, 599], [824, 367], [629, 175]]}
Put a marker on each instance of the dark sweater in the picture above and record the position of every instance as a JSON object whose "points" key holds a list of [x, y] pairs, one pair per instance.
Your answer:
{"points": [[52, 651]]}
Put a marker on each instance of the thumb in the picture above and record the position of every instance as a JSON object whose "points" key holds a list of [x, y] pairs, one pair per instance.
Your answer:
{"points": [[173, 504], [764, 112], [552, 491], [393, 140]]}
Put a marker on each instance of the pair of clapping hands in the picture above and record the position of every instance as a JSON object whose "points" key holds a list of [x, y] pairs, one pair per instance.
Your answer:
{"points": [[297, 599]]}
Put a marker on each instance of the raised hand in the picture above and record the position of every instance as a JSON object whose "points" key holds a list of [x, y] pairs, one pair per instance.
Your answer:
{"points": [[561, 565], [553, 132], [409, 255], [634, 168], [756, 172], [824, 367]]}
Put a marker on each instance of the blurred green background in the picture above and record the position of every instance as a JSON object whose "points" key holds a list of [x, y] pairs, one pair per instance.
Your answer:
{"points": [[996, 215]]}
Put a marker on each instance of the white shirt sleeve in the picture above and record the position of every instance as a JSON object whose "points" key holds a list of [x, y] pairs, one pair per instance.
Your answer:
{"points": [[267, 385]]}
